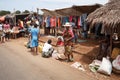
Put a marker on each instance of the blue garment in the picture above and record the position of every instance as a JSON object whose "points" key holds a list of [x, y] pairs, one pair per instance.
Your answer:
{"points": [[83, 22], [29, 29], [34, 37], [48, 21], [64, 20]]}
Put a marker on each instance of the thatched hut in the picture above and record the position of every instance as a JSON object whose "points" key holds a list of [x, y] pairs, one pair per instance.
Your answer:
{"points": [[49, 12], [108, 15], [72, 11]]}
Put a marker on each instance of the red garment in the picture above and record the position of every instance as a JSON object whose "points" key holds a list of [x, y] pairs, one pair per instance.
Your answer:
{"points": [[53, 22], [78, 26], [70, 32], [60, 43], [59, 22], [70, 18]]}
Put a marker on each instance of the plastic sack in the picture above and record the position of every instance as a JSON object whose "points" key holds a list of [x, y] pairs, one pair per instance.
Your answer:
{"points": [[116, 63], [94, 66], [54, 54], [57, 55], [78, 65], [61, 51], [105, 67]]}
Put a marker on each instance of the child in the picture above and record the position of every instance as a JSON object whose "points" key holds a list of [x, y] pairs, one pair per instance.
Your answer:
{"points": [[47, 49]]}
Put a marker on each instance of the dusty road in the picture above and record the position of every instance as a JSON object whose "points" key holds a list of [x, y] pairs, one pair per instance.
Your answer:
{"points": [[17, 63]]}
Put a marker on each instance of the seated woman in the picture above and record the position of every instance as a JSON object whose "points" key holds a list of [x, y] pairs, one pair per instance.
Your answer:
{"points": [[47, 49], [60, 49], [104, 46]]}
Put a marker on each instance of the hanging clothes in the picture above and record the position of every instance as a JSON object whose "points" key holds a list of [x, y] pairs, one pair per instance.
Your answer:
{"points": [[40, 18], [64, 20], [70, 18], [98, 27], [83, 22], [47, 20], [78, 25], [59, 21], [53, 21], [76, 20]]}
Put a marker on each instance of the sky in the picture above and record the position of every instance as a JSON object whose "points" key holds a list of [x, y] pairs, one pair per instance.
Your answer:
{"points": [[32, 5]]}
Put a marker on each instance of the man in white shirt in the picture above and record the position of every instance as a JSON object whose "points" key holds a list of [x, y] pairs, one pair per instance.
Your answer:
{"points": [[47, 49]]}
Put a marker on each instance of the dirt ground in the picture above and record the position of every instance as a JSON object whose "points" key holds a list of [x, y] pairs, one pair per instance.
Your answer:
{"points": [[84, 52]]}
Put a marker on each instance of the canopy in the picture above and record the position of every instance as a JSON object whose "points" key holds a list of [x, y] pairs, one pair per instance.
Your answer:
{"points": [[72, 11]]}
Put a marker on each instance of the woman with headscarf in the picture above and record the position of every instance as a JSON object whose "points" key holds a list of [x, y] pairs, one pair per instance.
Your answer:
{"points": [[68, 36]]}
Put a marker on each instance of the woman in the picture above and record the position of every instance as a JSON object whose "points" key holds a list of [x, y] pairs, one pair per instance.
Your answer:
{"points": [[34, 39], [68, 36], [60, 48]]}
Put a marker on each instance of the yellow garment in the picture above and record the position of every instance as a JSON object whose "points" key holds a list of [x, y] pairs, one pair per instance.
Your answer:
{"points": [[115, 53], [40, 47], [68, 49]]}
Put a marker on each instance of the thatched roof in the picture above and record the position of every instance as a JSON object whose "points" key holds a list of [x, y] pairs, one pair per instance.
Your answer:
{"points": [[72, 11], [109, 15], [49, 12]]}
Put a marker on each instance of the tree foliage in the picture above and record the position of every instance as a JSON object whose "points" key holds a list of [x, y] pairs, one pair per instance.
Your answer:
{"points": [[18, 12], [26, 11], [3, 12]]}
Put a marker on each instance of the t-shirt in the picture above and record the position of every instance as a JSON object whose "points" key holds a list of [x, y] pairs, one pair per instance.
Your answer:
{"points": [[46, 47]]}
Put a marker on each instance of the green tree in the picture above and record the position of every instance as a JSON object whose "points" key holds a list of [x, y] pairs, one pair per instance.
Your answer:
{"points": [[26, 11], [3, 12], [18, 12]]}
